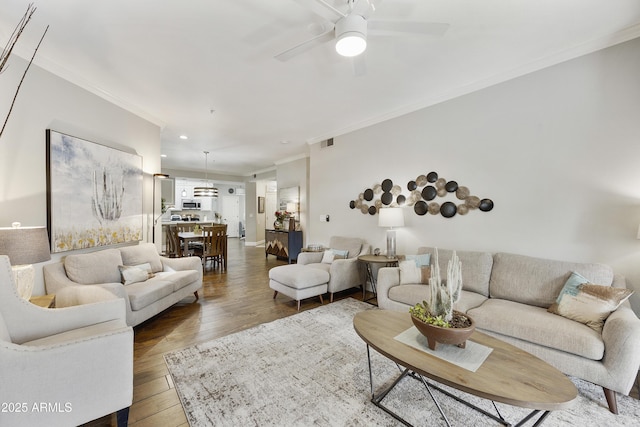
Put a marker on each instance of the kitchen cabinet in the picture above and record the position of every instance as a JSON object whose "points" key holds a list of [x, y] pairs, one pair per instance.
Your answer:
{"points": [[283, 244]]}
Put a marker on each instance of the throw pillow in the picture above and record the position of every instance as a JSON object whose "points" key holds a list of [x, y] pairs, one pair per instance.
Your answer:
{"points": [[330, 254], [133, 274], [146, 267], [421, 260], [327, 257], [588, 303], [415, 269], [340, 254]]}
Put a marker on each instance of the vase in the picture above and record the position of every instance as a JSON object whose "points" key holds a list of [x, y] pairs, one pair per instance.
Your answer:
{"points": [[277, 225], [437, 334]]}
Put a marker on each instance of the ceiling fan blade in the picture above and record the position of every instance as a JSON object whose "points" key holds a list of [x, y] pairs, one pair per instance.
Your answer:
{"points": [[365, 8], [412, 27], [304, 46], [322, 8], [359, 65]]}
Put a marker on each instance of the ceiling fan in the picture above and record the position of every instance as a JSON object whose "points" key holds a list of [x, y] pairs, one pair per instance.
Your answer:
{"points": [[350, 28]]}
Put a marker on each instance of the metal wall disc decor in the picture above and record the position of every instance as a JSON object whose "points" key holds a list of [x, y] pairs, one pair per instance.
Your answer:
{"points": [[429, 192], [368, 194], [420, 208], [448, 209], [451, 186], [386, 198], [486, 205], [422, 196]]}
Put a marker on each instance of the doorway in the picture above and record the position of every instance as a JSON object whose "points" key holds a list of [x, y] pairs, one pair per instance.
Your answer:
{"points": [[231, 215]]}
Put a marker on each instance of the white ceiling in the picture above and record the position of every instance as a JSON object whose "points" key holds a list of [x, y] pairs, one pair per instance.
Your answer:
{"points": [[174, 62]]}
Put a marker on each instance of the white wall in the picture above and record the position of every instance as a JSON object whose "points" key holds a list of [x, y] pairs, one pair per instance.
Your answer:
{"points": [[295, 173], [48, 102], [557, 151]]}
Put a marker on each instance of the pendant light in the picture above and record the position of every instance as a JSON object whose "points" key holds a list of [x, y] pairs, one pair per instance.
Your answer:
{"points": [[205, 191]]}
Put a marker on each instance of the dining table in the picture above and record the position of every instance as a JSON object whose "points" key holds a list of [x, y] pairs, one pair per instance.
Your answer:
{"points": [[189, 236]]}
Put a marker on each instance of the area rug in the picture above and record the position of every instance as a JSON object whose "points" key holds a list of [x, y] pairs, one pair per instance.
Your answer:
{"points": [[311, 369]]}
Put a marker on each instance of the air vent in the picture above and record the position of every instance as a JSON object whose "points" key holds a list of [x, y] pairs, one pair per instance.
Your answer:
{"points": [[327, 143]]}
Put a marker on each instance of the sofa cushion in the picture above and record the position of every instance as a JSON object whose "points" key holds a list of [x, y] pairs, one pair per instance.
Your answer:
{"points": [[538, 326], [4, 333], [140, 254], [588, 303], [180, 279], [537, 281], [145, 293], [412, 294], [95, 267], [476, 267], [351, 244]]}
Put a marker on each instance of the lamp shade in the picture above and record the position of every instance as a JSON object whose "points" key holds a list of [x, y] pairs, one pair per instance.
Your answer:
{"points": [[25, 245], [390, 217]]}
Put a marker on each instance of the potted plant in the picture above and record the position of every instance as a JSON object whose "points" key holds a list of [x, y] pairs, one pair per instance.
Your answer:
{"points": [[436, 319], [280, 217], [197, 230]]}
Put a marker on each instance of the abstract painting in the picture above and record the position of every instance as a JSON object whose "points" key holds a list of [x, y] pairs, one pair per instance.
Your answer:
{"points": [[94, 194]]}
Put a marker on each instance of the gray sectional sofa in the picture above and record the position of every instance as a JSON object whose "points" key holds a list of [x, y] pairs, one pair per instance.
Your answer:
{"points": [[508, 296], [96, 276]]}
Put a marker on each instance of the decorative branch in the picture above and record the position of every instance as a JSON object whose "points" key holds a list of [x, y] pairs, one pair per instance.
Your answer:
{"points": [[7, 52]]}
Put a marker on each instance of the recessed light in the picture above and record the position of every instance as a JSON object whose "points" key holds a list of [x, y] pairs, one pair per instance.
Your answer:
{"points": [[163, 155], [184, 137], [284, 141]]}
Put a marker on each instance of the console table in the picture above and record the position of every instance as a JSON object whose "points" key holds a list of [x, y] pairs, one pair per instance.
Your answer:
{"points": [[283, 244]]}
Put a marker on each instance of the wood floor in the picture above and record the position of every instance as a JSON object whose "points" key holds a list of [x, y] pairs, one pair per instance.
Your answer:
{"points": [[229, 302]]}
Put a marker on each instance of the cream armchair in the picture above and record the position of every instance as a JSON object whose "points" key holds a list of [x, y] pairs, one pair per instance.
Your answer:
{"points": [[62, 367], [344, 273]]}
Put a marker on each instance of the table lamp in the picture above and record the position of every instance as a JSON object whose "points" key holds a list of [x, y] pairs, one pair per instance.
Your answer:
{"points": [[293, 209], [391, 217], [24, 246]]}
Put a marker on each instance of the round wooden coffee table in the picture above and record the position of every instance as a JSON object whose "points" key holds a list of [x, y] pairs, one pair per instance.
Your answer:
{"points": [[508, 375]]}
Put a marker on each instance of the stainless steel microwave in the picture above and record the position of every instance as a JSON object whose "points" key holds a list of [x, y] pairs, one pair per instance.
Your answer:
{"points": [[188, 204]]}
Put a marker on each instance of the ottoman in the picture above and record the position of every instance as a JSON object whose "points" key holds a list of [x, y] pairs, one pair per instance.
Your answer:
{"points": [[298, 281]]}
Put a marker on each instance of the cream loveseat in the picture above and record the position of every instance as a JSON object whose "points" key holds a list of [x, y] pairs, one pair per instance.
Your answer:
{"points": [[508, 296], [97, 276]]}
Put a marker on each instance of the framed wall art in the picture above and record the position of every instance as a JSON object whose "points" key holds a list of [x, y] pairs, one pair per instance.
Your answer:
{"points": [[94, 194], [260, 204]]}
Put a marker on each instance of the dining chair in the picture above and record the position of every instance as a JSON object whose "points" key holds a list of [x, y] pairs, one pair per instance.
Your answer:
{"points": [[173, 243], [214, 239]]}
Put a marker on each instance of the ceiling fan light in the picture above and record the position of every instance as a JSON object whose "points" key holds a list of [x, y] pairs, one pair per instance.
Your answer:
{"points": [[351, 35], [351, 44]]}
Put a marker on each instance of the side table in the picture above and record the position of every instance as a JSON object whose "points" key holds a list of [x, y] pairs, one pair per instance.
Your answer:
{"points": [[46, 301], [369, 261]]}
